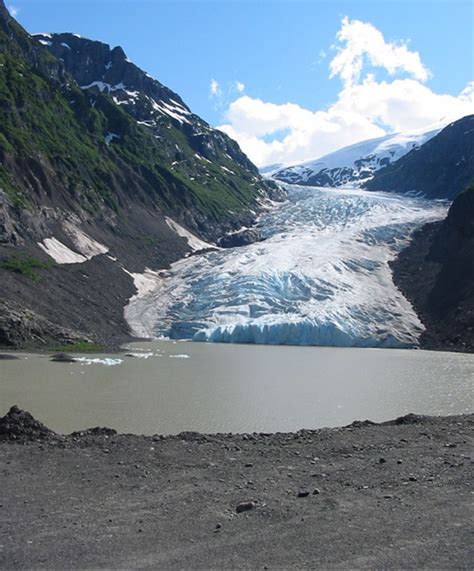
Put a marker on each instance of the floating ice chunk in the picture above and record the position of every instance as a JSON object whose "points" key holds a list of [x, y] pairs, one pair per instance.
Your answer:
{"points": [[179, 356], [141, 355], [107, 361]]}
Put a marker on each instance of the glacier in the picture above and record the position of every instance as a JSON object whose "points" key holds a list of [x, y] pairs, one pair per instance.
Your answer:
{"points": [[321, 276]]}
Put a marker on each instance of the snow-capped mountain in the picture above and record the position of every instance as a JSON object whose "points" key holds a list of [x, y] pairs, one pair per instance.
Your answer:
{"points": [[355, 164], [99, 69], [269, 170]]}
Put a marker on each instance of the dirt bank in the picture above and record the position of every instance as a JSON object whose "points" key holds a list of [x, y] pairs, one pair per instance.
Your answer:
{"points": [[393, 496]]}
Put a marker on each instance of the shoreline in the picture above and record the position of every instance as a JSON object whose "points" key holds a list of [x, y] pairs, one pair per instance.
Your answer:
{"points": [[389, 495]]}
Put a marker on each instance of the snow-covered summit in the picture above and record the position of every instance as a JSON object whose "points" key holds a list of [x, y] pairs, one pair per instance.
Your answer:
{"points": [[356, 163]]}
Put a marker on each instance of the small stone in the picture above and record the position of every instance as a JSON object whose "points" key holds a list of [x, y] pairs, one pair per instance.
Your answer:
{"points": [[382, 460], [245, 507], [399, 461], [303, 494], [218, 526], [248, 464], [316, 491], [413, 479]]}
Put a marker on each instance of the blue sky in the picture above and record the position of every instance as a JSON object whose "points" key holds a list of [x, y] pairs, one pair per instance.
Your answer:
{"points": [[281, 52]]}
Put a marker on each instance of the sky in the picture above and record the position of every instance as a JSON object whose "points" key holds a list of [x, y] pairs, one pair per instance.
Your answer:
{"points": [[290, 80]]}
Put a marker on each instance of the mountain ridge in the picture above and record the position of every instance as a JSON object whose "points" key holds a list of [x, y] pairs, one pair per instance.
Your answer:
{"points": [[354, 164], [441, 168]]}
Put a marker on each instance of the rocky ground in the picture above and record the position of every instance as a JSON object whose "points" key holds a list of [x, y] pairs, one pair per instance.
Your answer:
{"points": [[392, 496]]}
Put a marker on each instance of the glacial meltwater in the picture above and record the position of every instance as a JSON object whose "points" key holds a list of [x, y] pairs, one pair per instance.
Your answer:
{"points": [[168, 387], [320, 277]]}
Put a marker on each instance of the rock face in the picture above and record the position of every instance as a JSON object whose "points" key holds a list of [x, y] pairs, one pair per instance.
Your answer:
{"points": [[441, 168], [436, 273]]}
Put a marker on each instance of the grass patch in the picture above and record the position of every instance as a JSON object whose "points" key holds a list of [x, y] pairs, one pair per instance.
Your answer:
{"points": [[79, 347], [26, 266]]}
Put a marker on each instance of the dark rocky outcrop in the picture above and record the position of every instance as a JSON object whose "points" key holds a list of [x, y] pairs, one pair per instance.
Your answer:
{"points": [[20, 426], [436, 273], [240, 238], [441, 168]]}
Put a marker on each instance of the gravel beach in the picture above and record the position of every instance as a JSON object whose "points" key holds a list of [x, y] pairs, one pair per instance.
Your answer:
{"points": [[392, 495]]}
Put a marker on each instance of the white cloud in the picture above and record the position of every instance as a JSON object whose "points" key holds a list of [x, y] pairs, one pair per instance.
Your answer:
{"points": [[214, 88], [365, 108], [240, 86], [13, 10], [362, 43]]}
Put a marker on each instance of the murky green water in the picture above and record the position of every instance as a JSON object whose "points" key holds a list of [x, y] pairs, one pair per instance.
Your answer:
{"points": [[237, 388]]}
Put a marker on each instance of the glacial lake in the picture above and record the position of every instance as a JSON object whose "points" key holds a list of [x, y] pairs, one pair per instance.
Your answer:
{"points": [[170, 387]]}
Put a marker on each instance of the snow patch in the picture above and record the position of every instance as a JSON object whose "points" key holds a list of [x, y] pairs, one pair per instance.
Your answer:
{"points": [[86, 245], [60, 253], [177, 112], [194, 242]]}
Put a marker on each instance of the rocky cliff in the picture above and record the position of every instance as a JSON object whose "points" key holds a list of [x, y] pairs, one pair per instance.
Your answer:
{"points": [[436, 273]]}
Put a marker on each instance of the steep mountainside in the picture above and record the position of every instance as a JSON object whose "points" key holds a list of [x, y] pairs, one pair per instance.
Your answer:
{"points": [[98, 183], [354, 164], [222, 178], [436, 273], [441, 168]]}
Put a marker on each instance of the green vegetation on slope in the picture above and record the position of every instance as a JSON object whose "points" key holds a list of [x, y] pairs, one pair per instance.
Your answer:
{"points": [[53, 148], [26, 265]]}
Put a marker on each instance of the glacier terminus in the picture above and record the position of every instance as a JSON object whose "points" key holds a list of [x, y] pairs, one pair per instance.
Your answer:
{"points": [[321, 276]]}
